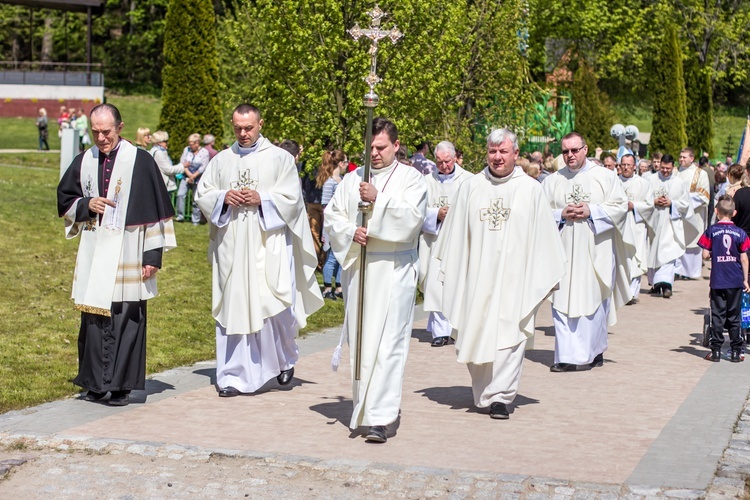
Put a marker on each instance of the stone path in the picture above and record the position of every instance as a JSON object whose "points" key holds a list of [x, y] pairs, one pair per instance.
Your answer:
{"points": [[655, 421]]}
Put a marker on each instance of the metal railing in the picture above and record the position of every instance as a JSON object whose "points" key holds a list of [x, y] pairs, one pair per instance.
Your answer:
{"points": [[51, 73]]}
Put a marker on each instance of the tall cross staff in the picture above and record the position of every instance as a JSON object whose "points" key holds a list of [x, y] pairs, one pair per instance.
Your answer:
{"points": [[374, 33]]}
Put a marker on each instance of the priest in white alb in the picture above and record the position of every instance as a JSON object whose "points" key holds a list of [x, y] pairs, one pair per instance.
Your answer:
{"points": [[262, 255], [690, 264], [442, 185], [667, 237], [498, 257], [590, 207], [640, 209], [398, 194], [113, 197]]}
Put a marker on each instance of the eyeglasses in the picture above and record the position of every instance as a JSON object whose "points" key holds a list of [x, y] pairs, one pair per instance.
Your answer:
{"points": [[572, 151]]}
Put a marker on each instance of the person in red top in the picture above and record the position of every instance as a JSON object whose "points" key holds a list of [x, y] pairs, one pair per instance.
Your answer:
{"points": [[727, 245]]}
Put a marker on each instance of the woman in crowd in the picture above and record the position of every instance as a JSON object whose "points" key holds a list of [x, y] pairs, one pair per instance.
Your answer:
{"points": [[43, 126], [161, 157], [143, 138], [328, 178], [735, 178]]}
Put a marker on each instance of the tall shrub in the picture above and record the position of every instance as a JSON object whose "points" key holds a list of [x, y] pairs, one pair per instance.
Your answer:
{"points": [[700, 109], [594, 117], [190, 92], [668, 132]]}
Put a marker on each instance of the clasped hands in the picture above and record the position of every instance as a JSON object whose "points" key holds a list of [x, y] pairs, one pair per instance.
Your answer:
{"points": [[662, 201], [243, 197], [578, 211]]}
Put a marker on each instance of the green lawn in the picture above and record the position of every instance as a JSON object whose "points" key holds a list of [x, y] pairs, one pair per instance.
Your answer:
{"points": [[727, 122], [38, 326], [137, 111]]}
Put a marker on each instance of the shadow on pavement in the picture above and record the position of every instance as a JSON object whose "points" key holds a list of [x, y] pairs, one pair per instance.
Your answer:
{"points": [[688, 349], [458, 397], [208, 372], [541, 356], [339, 411], [421, 335]]}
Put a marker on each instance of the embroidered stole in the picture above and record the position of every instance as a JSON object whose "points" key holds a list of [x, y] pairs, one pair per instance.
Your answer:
{"points": [[101, 244]]}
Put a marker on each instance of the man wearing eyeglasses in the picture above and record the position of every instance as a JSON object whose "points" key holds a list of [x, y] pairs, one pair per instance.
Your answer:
{"points": [[442, 185], [590, 207], [690, 265]]}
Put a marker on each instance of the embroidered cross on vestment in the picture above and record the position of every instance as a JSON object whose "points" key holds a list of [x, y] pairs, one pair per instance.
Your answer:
{"points": [[495, 214], [577, 195]]}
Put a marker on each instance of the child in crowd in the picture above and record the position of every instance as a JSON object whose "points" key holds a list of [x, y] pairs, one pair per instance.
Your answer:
{"points": [[727, 245]]}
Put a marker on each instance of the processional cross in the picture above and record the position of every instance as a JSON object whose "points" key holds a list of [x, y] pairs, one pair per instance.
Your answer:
{"points": [[374, 33], [496, 214]]}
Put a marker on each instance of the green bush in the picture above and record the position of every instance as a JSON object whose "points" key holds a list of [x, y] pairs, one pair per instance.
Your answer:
{"points": [[668, 133], [190, 94], [700, 108]]}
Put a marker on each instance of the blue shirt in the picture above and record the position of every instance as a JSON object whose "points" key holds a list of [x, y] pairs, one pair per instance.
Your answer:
{"points": [[726, 242]]}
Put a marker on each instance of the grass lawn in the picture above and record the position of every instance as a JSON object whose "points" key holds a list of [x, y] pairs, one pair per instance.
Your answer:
{"points": [[38, 325], [728, 122], [137, 111]]}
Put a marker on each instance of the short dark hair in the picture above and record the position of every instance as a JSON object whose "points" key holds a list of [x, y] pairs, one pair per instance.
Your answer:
{"points": [[609, 155], [292, 147], [628, 156], [380, 125], [689, 151], [246, 109], [656, 156], [421, 145], [725, 205], [572, 135], [703, 161], [667, 158], [108, 108]]}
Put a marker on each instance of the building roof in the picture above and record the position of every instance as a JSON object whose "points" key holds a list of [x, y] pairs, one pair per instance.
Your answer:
{"points": [[97, 6]]}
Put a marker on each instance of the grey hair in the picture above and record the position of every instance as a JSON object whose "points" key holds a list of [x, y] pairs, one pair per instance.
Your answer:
{"points": [[160, 136], [446, 146], [500, 135], [209, 139]]}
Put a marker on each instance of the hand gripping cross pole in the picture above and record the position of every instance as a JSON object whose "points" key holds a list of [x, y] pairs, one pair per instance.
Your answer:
{"points": [[374, 33]]}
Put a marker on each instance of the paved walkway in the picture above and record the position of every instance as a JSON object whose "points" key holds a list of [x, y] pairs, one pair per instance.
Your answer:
{"points": [[655, 421]]}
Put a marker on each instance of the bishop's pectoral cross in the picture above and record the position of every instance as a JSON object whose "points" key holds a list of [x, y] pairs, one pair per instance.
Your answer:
{"points": [[578, 195], [244, 183], [495, 214]]}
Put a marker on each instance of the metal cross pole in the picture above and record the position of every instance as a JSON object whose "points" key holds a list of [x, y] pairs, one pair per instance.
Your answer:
{"points": [[374, 33]]}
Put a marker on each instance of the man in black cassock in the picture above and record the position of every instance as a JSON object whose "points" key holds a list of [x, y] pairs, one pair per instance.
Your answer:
{"points": [[114, 197]]}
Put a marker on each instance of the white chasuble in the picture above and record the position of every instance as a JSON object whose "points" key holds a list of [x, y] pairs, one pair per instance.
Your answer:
{"points": [[667, 234], [498, 257], [441, 191], [262, 257], [390, 282], [639, 193], [600, 249], [698, 186]]}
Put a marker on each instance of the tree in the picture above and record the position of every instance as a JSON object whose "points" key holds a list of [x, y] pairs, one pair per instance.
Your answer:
{"points": [[190, 95], [594, 117], [296, 62], [700, 112], [670, 109]]}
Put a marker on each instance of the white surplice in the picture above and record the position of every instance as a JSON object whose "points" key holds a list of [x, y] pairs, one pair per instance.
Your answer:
{"points": [[600, 253], [639, 193], [493, 279], [390, 282], [696, 180], [441, 191], [667, 234], [263, 263]]}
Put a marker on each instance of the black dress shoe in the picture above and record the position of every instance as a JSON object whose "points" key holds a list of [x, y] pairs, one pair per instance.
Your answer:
{"points": [[736, 356], [119, 398], [339, 294], [376, 434], [228, 392], [499, 411], [714, 356], [93, 396], [285, 377], [440, 341], [329, 295], [666, 293], [598, 361], [562, 367]]}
